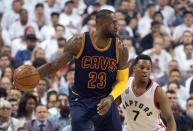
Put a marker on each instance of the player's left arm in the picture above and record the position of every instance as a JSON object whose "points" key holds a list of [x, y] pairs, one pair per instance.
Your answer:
{"points": [[121, 82], [162, 100]]}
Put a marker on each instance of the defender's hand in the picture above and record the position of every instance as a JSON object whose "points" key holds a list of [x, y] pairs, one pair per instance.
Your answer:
{"points": [[104, 105]]}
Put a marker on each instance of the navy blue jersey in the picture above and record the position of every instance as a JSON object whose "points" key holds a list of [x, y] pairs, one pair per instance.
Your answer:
{"points": [[96, 69]]}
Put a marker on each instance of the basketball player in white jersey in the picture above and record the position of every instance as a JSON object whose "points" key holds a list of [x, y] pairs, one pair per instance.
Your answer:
{"points": [[143, 100]]}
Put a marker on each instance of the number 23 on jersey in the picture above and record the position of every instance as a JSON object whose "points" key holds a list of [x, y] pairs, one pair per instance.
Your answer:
{"points": [[97, 80]]}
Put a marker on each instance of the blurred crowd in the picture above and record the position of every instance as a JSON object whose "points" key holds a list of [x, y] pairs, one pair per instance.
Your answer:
{"points": [[35, 32]]}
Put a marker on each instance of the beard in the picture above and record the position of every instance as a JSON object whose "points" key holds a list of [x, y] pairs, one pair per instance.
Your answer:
{"points": [[30, 47]]}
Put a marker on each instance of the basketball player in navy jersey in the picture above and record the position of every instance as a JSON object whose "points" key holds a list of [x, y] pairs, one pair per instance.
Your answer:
{"points": [[101, 75], [143, 100]]}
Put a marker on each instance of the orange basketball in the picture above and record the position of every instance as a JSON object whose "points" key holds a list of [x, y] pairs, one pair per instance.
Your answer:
{"points": [[26, 77]]}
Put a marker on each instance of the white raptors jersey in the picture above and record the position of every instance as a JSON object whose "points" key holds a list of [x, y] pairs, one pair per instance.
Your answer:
{"points": [[140, 112]]}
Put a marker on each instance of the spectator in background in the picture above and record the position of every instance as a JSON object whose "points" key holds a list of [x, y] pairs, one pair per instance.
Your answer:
{"points": [[12, 15], [122, 31], [7, 123], [14, 106], [38, 52], [8, 72], [6, 83], [41, 123], [48, 30], [62, 118], [71, 21], [24, 56], [52, 102], [159, 56], [186, 25], [147, 41], [41, 89], [21, 43], [51, 45], [172, 64], [26, 108], [187, 38], [128, 42], [144, 24], [15, 94], [185, 123], [5, 61], [39, 16], [17, 28]]}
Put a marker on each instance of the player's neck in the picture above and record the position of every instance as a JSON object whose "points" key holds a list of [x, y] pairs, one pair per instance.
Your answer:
{"points": [[100, 40], [142, 85]]}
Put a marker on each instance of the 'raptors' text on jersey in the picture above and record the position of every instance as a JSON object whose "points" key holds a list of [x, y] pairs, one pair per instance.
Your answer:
{"points": [[140, 112], [96, 69]]}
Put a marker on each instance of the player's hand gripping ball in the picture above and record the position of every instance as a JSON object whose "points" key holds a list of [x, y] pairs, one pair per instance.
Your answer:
{"points": [[26, 78]]}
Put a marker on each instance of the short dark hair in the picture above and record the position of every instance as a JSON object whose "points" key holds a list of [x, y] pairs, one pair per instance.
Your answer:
{"points": [[50, 93], [59, 25], [173, 82], [154, 23], [142, 57], [187, 12], [158, 12], [174, 70], [55, 14], [171, 92], [102, 14], [189, 99], [39, 5]]}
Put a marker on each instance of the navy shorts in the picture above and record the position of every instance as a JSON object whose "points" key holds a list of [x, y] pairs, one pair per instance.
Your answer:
{"points": [[84, 115]]}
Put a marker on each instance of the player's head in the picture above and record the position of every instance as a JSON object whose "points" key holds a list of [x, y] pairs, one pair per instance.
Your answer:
{"points": [[106, 23], [142, 68]]}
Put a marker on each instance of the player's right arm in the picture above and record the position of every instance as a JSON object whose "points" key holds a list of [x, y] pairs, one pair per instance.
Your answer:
{"points": [[162, 100], [71, 49]]}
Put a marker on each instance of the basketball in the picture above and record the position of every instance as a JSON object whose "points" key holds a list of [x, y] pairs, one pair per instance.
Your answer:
{"points": [[26, 77]]}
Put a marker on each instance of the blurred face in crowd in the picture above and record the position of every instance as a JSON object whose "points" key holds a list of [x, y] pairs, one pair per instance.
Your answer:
{"points": [[173, 64], [121, 24], [172, 98], [63, 100], [70, 78], [39, 53], [189, 105], [91, 25], [16, 5], [6, 83], [4, 61], [39, 11], [29, 30], [124, 5], [15, 94], [151, 10], [31, 44], [41, 113], [127, 43], [8, 72], [187, 37], [59, 31], [174, 76], [132, 5], [52, 101], [157, 44], [156, 29], [188, 49], [30, 105], [5, 113], [55, 19], [188, 20], [173, 86], [41, 87], [24, 17], [68, 9], [158, 17], [6, 50], [14, 106], [119, 16]]}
